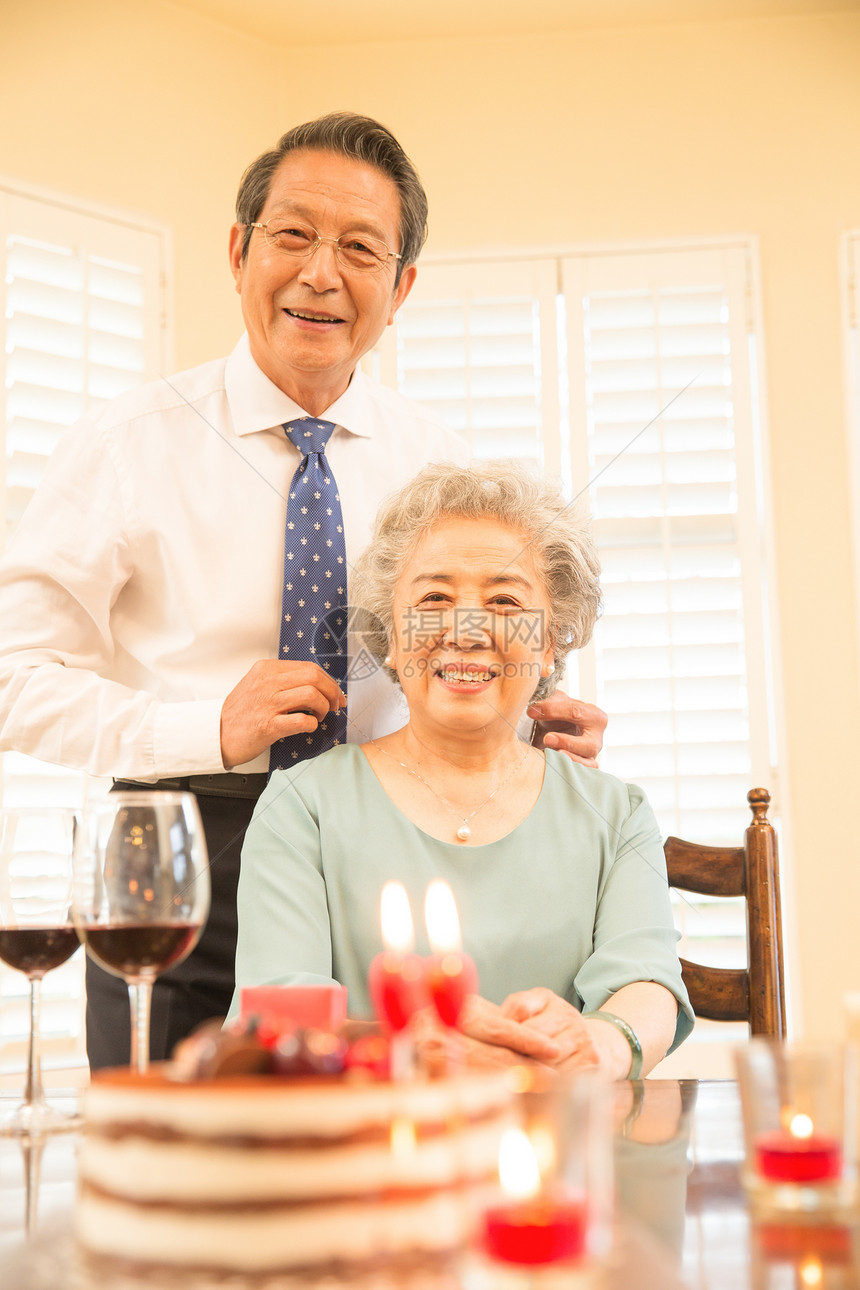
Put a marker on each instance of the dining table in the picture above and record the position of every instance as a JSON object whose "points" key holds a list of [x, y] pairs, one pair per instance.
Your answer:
{"points": [[682, 1220]]}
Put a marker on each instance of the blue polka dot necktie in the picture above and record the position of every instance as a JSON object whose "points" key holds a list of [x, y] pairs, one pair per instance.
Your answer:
{"points": [[314, 610]]}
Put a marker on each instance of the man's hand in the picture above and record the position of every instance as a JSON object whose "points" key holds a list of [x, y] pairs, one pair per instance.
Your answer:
{"points": [[571, 726], [274, 699]]}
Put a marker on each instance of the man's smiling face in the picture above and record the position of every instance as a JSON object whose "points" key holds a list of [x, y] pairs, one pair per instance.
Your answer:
{"points": [[310, 320]]}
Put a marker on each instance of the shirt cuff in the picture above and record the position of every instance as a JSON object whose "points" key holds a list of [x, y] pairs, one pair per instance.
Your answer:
{"points": [[188, 738]]}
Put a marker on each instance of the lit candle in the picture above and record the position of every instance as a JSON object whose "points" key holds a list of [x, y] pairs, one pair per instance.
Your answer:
{"points": [[451, 974], [396, 977], [798, 1154], [531, 1227]]}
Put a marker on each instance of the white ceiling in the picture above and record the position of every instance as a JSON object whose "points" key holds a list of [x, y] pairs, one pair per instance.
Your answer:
{"points": [[355, 21]]}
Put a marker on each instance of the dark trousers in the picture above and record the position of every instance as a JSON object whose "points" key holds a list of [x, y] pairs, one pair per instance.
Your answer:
{"points": [[201, 987]]}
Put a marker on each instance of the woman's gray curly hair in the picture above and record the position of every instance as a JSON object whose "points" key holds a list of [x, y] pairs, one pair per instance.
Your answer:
{"points": [[557, 533]]}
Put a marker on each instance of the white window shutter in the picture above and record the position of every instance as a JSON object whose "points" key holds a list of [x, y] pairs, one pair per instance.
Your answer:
{"points": [[83, 320], [664, 432], [82, 323], [678, 658], [480, 348]]}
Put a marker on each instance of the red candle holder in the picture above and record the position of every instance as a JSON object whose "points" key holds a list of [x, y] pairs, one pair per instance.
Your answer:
{"points": [[782, 1157], [535, 1231], [554, 1203], [798, 1102]]}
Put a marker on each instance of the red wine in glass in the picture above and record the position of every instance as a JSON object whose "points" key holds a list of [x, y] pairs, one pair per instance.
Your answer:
{"points": [[141, 892], [36, 932], [145, 948], [36, 950]]}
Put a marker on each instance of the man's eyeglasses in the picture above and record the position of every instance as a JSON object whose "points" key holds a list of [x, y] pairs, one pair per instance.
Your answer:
{"points": [[353, 250]]}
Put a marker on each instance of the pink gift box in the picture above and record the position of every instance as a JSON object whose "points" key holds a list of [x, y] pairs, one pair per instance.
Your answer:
{"points": [[321, 1006]]}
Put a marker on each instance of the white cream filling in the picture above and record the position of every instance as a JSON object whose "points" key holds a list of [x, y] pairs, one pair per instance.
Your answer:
{"points": [[275, 1239], [146, 1169], [275, 1108]]}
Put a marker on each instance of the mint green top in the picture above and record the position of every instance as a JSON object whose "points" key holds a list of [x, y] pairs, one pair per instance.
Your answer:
{"points": [[574, 898]]}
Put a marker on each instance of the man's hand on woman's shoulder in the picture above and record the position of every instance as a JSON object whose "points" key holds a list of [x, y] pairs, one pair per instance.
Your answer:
{"points": [[569, 725]]}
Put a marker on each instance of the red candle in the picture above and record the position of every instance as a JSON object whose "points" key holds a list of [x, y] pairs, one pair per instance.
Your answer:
{"points": [[450, 979], [397, 987], [396, 977], [451, 974], [535, 1231], [789, 1156], [534, 1223]]}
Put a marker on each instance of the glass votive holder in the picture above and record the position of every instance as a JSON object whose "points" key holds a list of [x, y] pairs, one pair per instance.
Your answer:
{"points": [[552, 1209], [799, 1105], [820, 1254]]}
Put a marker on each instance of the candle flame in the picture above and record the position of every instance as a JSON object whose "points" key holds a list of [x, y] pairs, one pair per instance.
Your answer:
{"points": [[543, 1143], [811, 1272], [518, 1166], [402, 1139], [396, 919], [440, 915], [800, 1126]]}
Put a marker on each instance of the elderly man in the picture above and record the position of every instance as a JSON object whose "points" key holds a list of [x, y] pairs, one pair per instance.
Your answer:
{"points": [[173, 602]]}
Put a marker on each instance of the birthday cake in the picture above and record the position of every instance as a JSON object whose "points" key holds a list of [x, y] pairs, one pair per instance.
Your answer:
{"points": [[266, 1173]]}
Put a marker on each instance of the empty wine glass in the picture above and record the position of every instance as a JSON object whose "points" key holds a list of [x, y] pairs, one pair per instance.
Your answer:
{"points": [[141, 892], [36, 932]]}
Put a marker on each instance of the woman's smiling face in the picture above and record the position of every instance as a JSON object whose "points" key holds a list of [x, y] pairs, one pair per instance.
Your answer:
{"points": [[471, 625]]}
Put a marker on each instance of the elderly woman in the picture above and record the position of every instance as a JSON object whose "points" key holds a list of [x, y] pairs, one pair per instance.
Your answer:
{"points": [[476, 585]]}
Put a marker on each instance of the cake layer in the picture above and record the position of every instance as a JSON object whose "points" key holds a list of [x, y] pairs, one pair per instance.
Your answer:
{"points": [[270, 1108], [274, 1238], [194, 1171]]}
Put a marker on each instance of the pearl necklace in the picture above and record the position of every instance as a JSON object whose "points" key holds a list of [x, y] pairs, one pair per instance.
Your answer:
{"points": [[464, 832]]}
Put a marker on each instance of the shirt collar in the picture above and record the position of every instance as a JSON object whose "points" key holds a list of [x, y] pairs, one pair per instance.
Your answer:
{"points": [[257, 404]]}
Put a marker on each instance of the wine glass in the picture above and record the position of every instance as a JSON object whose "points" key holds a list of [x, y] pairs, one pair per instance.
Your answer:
{"points": [[36, 932], [141, 893]]}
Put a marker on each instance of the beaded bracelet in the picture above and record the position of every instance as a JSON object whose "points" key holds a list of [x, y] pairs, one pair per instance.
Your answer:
{"points": [[629, 1034]]}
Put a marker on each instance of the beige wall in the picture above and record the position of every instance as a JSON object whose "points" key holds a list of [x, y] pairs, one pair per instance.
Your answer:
{"points": [[145, 107], [699, 129]]}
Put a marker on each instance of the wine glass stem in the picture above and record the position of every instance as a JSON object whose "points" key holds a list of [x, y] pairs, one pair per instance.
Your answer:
{"points": [[140, 995], [34, 1092]]}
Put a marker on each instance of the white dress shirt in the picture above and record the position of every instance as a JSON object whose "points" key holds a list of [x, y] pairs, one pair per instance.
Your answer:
{"points": [[145, 577]]}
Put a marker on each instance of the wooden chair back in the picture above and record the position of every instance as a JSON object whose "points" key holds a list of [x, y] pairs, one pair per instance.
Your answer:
{"points": [[755, 994]]}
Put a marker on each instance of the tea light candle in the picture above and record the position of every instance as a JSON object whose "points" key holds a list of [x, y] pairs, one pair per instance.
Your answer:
{"points": [[798, 1154], [396, 976], [451, 974], [531, 1227]]}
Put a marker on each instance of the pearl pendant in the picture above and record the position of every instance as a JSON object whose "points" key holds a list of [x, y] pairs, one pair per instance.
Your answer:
{"points": [[464, 832]]}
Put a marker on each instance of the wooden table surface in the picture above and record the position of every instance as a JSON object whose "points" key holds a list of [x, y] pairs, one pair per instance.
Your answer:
{"points": [[683, 1221]]}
